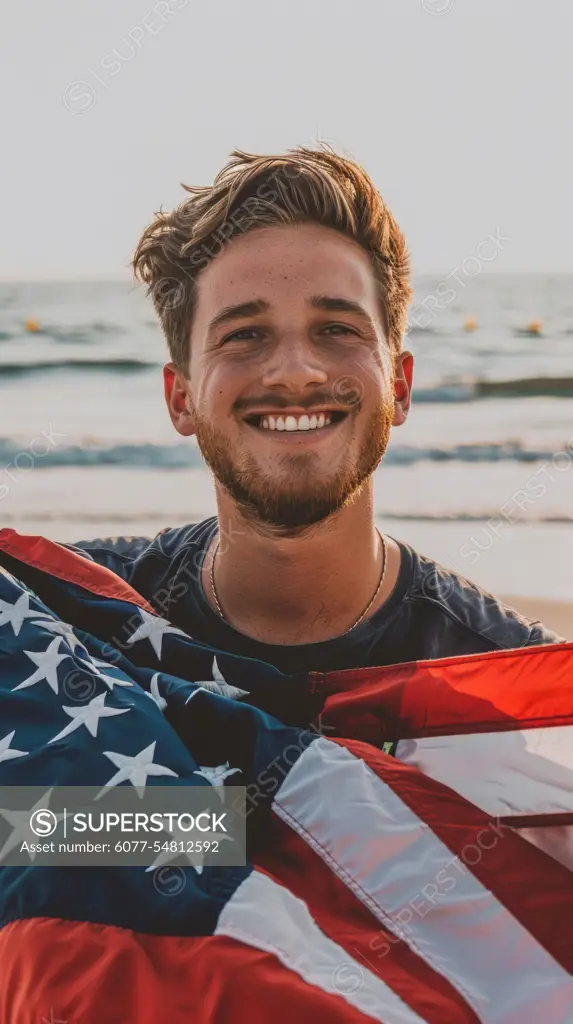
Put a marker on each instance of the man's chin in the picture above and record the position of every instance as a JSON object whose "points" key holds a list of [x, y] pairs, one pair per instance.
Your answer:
{"points": [[293, 492], [287, 511]]}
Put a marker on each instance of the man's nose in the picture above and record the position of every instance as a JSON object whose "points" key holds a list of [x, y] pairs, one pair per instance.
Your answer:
{"points": [[294, 365]]}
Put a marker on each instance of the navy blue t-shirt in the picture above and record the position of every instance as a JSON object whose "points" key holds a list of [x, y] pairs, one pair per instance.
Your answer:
{"points": [[431, 613]]}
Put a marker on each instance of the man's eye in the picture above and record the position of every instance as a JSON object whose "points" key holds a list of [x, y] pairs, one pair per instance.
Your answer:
{"points": [[244, 334], [339, 329]]}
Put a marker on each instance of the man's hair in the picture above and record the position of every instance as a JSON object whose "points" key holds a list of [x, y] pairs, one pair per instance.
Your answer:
{"points": [[302, 186]]}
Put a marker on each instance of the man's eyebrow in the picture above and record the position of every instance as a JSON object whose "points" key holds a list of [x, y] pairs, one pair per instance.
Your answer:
{"points": [[328, 303], [335, 304], [238, 312]]}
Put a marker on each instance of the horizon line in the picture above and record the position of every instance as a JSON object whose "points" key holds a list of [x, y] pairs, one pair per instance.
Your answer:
{"points": [[125, 278]]}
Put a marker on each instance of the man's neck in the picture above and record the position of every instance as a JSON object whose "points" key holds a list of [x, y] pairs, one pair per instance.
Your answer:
{"points": [[302, 589]]}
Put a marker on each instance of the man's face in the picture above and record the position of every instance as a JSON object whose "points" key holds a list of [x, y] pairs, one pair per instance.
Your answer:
{"points": [[292, 389]]}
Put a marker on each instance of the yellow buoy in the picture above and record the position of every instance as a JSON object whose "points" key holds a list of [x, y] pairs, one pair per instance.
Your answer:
{"points": [[470, 324], [32, 325], [534, 327]]}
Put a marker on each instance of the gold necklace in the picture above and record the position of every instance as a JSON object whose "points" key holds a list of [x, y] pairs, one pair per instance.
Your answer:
{"points": [[360, 617]]}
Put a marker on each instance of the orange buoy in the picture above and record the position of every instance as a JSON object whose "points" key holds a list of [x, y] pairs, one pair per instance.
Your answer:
{"points": [[32, 325], [470, 324], [533, 329]]}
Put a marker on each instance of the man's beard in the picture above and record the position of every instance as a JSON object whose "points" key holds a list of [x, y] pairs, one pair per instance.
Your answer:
{"points": [[289, 505]]}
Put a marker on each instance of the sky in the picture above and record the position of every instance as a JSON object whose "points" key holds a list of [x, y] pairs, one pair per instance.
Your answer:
{"points": [[459, 109]]}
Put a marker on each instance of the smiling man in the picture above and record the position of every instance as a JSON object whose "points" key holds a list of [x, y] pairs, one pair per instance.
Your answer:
{"points": [[283, 292]]}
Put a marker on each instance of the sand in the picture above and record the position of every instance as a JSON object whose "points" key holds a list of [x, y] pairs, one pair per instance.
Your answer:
{"points": [[557, 615]]}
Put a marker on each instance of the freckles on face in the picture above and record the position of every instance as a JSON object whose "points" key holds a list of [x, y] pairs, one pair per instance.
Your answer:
{"points": [[282, 268], [290, 374]]}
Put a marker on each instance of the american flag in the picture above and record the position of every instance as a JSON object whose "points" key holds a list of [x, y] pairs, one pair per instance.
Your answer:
{"points": [[410, 854]]}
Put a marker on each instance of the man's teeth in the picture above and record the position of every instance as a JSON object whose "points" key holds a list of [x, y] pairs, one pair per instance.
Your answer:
{"points": [[295, 422]]}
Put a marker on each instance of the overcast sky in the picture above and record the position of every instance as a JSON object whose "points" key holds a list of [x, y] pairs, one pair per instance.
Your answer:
{"points": [[461, 111]]}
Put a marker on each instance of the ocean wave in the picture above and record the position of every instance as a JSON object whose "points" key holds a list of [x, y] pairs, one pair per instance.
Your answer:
{"points": [[419, 331], [184, 456], [527, 386], [474, 517], [188, 516], [92, 454], [123, 365], [524, 387], [82, 332], [446, 391]]}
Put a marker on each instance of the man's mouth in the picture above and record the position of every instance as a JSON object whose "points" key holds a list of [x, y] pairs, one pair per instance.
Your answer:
{"points": [[303, 422]]}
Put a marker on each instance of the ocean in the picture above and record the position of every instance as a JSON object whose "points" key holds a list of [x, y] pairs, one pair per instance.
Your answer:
{"points": [[480, 477]]}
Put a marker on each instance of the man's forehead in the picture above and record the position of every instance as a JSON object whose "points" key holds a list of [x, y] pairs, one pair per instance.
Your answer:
{"points": [[272, 266]]}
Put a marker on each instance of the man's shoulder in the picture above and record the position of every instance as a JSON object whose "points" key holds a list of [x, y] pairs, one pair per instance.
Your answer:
{"points": [[467, 608], [124, 555]]}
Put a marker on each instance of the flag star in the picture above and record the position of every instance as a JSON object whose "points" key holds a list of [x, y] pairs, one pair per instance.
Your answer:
{"points": [[64, 630], [153, 628], [219, 685], [194, 857], [217, 775], [6, 751], [88, 715], [154, 693], [47, 662], [110, 681], [17, 612], [21, 827], [135, 769]]}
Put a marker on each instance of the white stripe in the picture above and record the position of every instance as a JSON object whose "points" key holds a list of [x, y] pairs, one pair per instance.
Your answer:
{"points": [[510, 772], [409, 879], [265, 915]]}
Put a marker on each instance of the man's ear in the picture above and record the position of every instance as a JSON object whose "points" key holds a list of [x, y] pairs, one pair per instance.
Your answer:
{"points": [[403, 375], [178, 400]]}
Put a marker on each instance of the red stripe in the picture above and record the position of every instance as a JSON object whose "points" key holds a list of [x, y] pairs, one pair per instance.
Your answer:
{"points": [[346, 921], [67, 565], [501, 690], [72, 971], [536, 889], [342, 677]]}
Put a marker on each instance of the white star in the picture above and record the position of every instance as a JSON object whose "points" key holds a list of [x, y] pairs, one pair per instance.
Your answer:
{"points": [[47, 662], [219, 685], [153, 628], [194, 857], [21, 828], [17, 612], [110, 681], [88, 715], [65, 630], [6, 752], [135, 769], [166, 855], [217, 775], [155, 694]]}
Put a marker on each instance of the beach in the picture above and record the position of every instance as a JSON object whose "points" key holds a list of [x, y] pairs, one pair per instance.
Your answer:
{"points": [[527, 566]]}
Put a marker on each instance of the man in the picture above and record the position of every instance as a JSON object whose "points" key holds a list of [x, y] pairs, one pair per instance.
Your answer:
{"points": [[283, 292]]}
